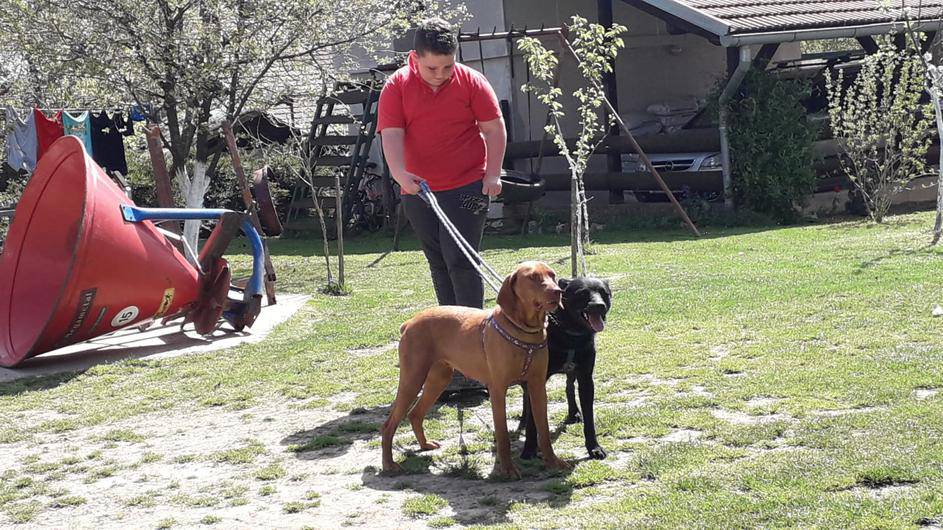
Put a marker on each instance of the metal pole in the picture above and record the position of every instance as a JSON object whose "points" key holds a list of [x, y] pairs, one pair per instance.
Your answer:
{"points": [[613, 161], [735, 79]]}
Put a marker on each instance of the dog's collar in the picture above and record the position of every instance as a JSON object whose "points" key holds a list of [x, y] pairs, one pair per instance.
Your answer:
{"points": [[521, 327], [566, 329], [528, 347]]}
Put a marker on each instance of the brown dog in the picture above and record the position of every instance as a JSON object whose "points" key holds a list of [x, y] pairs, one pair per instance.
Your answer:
{"points": [[505, 346]]}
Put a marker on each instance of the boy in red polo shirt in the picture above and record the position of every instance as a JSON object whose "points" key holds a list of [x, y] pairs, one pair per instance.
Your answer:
{"points": [[440, 123]]}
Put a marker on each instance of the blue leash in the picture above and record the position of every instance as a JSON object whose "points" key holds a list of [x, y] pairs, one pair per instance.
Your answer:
{"points": [[484, 270]]}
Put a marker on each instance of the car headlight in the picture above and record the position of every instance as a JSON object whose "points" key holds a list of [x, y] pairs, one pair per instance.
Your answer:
{"points": [[712, 162]]}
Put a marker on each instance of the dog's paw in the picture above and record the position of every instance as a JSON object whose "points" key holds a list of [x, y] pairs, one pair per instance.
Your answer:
{"points": [[507, 471], [573, 417], [557, 464], [392, 469], [597, 453]]}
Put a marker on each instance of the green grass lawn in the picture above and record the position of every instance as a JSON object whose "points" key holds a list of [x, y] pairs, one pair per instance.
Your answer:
{"points": [[772, 377]]}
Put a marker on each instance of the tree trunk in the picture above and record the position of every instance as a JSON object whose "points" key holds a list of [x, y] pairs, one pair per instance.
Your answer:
{"points": [[194, 191], [574, 224], [327, 244]]}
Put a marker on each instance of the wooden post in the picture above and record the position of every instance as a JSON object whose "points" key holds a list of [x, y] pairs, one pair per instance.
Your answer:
{"points": [[339, 216], [613, 161], [165, 194], [251, 209]]}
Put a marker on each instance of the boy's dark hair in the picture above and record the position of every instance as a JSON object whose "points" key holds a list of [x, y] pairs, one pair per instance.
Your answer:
{"points": [[435, 35]]}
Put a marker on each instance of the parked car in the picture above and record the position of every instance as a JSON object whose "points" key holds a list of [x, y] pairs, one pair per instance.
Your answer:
{"points": [[673, 162]]}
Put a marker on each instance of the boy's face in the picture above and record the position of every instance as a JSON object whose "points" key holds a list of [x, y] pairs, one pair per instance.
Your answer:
{"points": [[434, 68]]}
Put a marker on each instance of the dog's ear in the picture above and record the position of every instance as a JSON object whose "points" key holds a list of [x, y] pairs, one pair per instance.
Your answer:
{"points": [[507, 298], [563, 282], [608, 289]]}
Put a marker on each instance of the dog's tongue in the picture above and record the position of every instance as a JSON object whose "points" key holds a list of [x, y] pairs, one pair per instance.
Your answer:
{"points": [[596, 321]]}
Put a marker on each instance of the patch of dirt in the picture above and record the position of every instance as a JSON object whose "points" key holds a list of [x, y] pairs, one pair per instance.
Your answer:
{"points": [[889, 491], [925, 393], [719, 352], [742, 418], [682, 435], [240, 466], [844, 412], [376, 350], [699, 390], [651, 379], [762, 402]]}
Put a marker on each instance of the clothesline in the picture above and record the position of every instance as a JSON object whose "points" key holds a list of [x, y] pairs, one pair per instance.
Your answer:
{"points": [[138, 112], [52, 110], [31, 133]]}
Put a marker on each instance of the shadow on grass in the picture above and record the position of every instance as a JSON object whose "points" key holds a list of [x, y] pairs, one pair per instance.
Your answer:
{"points": [[474, 498], [337, 436], [459, 481], [896, 253], [35, 383], [475, 501]]}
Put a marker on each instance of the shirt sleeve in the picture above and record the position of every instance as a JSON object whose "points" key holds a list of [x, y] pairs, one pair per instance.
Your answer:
{"points": [[390, 113], [484, 102]]}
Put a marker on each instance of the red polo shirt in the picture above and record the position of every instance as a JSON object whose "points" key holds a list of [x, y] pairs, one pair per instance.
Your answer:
{"points": [[442, 143]]}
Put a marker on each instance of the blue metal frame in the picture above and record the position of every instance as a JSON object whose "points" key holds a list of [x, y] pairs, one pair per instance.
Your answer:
{"points": [[134, 214]]}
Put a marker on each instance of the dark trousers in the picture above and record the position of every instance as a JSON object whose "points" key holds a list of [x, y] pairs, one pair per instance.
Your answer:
{"points": [[455, 280]]}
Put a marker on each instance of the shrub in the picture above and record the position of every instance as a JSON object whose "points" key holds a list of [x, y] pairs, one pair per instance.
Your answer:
{"points": [[771, 146], [880, 124]]}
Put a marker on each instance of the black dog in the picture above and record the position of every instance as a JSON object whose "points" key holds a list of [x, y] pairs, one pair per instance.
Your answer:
{"points": [[572, 343]]}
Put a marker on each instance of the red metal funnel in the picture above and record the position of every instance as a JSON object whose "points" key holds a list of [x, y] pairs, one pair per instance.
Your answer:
{"points": [[72, 269]]}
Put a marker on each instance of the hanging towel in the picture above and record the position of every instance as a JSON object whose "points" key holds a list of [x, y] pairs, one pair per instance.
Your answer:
{"points": [[79, 126], [107, 142], [48, 130], [21, 141]]}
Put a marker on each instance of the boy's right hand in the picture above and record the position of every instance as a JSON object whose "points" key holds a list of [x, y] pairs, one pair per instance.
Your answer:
{"points": [[409, 183]]}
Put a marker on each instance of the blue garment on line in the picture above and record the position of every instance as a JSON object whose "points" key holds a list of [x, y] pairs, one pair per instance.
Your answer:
{"points": [[79, 126], [22, 142]]}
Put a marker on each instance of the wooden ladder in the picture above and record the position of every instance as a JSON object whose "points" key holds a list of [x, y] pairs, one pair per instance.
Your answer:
{"points": [[332, 152]]}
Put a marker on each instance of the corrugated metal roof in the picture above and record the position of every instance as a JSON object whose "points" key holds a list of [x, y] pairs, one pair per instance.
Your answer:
{"points": [[760, 16]]}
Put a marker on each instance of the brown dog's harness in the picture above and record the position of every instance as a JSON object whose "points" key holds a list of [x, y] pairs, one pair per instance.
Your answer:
{"points": [[528, 347]]}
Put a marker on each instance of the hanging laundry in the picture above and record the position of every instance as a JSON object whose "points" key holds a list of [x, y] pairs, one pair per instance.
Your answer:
{"points": [[79, 126], [127, 127], [21, 141], [107, 142], [140, 112], [48, 130]]}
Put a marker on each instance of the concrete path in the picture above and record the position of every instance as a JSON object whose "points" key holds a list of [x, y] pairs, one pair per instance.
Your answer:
{"points": [[158, 342]]}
